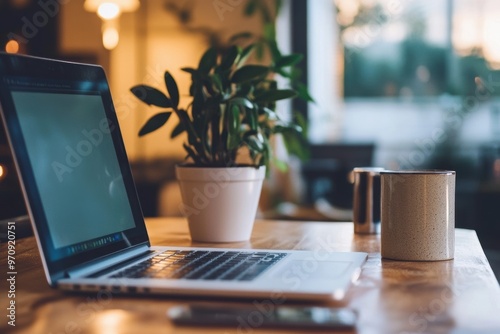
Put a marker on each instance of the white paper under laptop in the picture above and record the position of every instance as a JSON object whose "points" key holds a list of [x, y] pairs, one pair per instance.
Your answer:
{"points": [[86, 216]]}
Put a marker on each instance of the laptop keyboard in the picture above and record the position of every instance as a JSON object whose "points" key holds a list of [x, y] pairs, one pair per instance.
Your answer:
{"points": [[203, 265]]}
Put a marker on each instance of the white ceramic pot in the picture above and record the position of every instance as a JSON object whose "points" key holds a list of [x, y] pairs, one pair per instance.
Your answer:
{"points": [[220, 203]]}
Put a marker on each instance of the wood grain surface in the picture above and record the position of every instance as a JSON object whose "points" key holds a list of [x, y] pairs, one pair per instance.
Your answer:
{"points": [[456, 296]]}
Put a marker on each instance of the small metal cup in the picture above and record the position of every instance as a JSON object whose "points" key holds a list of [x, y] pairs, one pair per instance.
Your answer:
{"points": [[366, 201]]}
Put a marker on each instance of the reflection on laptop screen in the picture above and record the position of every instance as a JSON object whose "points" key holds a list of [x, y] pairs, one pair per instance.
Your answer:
{"points": [[77, 153]]}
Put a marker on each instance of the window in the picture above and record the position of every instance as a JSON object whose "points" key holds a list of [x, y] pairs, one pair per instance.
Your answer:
{"points": [[420, 80], [412, 49]]}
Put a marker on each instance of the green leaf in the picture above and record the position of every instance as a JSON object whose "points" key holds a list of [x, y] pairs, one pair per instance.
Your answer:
{"points": [[273, 85], [154, 123], [244, 90], [264, 160], [191, 153], [208, 61], [253, 118], [214, 122], [179, 128], [294, 138], [284, 72], [151, 96], [278, 4], [198, 100], [229, 58], [259, 50], [296, 144], [249, 73], [186, 121], [189, 70], [266, 14], [301, 121], [273, 47], [255, 141], [289, 60], [172, 89], [243, 102], [216, 83], [270, 31], [280, 165], [270, 114], [233, 116], [254, 144], [241, 35], [275, 95], [245, 53], [282, 128], [303, 92], [250, 8]]}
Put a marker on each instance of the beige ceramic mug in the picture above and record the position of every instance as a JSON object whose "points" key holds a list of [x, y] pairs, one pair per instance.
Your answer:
{"points": [[418, 215]]}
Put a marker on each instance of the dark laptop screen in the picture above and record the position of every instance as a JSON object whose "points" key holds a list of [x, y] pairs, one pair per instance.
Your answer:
{"points": [[84, 197], [71, 158]]}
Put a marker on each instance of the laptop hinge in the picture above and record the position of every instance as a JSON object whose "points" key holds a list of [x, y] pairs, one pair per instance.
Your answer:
{"points": [[89, 268]]}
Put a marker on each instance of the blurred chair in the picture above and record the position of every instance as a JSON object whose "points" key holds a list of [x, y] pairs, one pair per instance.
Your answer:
{"points": [[327, 185], [150, 178], [327, 173]]}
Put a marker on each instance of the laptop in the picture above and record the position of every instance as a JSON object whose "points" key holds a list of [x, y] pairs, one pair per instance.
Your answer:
{"points": [[87, 220]]}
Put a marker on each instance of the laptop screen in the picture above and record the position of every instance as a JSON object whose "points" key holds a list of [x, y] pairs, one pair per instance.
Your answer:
{"points": [[74, 154], [69, 150]]}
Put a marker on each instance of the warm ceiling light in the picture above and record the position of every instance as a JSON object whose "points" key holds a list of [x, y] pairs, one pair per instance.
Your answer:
{"points": [[12, 46], [2, 172], [108, 11], [110, 38], [124, 5]]}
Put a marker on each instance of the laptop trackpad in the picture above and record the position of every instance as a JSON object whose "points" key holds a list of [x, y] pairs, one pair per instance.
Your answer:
{"points": [[327, 270]]}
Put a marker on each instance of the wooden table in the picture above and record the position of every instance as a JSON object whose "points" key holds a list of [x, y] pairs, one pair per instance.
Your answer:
{"points": [[459, 296]]}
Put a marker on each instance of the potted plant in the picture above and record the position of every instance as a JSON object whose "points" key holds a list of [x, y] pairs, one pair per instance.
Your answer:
{"points": [[229, 124]]}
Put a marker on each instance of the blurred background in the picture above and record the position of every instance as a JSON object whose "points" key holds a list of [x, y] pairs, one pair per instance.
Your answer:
{"points": [[397, 84]]}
